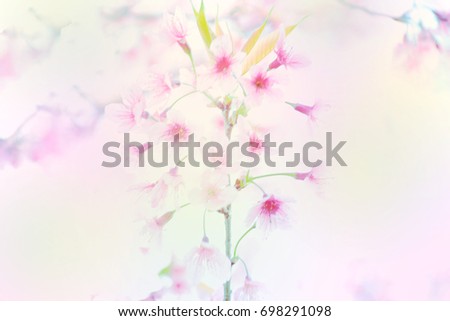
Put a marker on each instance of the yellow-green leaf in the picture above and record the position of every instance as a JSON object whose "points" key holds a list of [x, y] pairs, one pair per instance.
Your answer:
{"points": [[202, 25], [263, 48], [248, 46]]}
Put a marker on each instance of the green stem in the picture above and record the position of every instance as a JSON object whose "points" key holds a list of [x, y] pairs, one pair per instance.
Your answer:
{"points": [[177, 100], [204, 223], [184, 205], [260, 188], [242, 237], [274, 174], [245, 267], [193, 68], [227, 284]]}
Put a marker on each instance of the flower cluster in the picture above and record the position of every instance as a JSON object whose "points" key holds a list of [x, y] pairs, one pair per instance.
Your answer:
{"points": [[236, 76]]}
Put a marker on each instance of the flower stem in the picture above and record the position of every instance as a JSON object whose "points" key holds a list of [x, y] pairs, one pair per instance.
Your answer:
{"points": [[227, 284], [274, 174], [193, 68], [245, 267], [177, 100], [259, 187], [242, 237], [204, 223], [368, 11]]}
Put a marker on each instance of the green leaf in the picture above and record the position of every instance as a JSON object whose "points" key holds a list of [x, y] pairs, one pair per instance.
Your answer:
{"points": [[248, 46], [202, 25], [242, 111], [165, 271]]}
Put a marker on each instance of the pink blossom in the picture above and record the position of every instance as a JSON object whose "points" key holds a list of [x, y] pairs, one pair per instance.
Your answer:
{"points": [[222, 52], [249, 291], [214, 192], [261, 82], [269, 213], [158, 85], [177, 27], [251, 133], [158, 191], [311, 111], [179, 283], [313, 176], [130, 112], [176, 129], [207, 262], [286, 58], [154, 226]]}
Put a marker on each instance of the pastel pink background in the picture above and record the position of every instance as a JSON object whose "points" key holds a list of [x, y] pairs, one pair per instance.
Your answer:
{"points": [[378, 230]]}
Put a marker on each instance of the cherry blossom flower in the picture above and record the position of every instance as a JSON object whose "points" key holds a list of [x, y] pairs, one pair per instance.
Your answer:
{"points": [[249, 291], [179, 283], [158, 191], [154, 227], [130, 112], [169, 127], [214, 192], [314, 176], [285, 57], [207, 262], [224, 59], [270, 213], [261, 82], [311, 111], [177, 27], [176, 129], [252, 134], [159, 86], [176, 24]]}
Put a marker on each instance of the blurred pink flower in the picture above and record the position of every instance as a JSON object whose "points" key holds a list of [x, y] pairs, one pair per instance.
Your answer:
{"points": [[214, 192], [158, 191], [176, 24], [249, 291], [180, 281], [130, 112], [260, 83], [170, 128], [313, 176], [154, 226], [311, 111], [158, 85], [251, 133], [177, 27], [207, 261], [286, 58], [270, 213], [177, 129], [222, 52]]}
